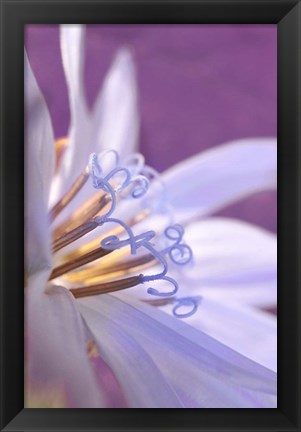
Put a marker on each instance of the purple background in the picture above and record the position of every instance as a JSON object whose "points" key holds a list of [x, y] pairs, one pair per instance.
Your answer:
{"points": [[199, 86]]}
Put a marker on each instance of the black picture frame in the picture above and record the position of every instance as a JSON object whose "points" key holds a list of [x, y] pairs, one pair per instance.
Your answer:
{"points": [[14, 15]]}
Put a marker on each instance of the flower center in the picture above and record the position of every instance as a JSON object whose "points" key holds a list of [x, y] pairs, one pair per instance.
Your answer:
{"points": [[118, 258]]}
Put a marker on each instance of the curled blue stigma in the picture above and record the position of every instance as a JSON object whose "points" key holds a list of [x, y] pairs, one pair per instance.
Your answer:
{"points": [[192, 302], [122, 178], [127, 182], [179, 253]]}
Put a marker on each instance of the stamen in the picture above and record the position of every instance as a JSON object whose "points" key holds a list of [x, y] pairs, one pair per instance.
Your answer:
{"points": [[74, 235], [83, 275], [92, 207], [60, 147], [100, 277], [160, 302], [99, 273], [87, 247], [106, 287], [143, 240], [70, 194], [129, 264], [84, 259], [96, 204], [116, 231]]}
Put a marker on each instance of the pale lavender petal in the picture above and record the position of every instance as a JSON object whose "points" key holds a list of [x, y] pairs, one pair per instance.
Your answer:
{"points": [[72, 39], [233, 261], [75, 157], [251, 332], [39, 167], [141, 381], [115, 116], [259, 294], [113, 124], [56, 347], [217, 177], [108, 382], [202, 371]]}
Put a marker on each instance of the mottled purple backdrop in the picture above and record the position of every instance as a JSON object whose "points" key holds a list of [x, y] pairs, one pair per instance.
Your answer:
{"points": [[199, 86]]}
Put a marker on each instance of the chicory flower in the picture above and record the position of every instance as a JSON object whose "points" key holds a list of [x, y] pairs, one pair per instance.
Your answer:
{"points": [[157, 360]]}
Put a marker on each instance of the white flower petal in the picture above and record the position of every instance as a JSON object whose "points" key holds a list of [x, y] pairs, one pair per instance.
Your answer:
{"points": [[75, 157], [39, 167], [56, 346], [202, 371], [260, 294], [72, 48], [217, 177], [233, 260], [142, 383], [115, 121], [113, 125], [248, 331]]}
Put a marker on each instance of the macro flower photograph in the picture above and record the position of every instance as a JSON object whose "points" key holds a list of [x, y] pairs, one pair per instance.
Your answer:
{"points": [[150, 216]]}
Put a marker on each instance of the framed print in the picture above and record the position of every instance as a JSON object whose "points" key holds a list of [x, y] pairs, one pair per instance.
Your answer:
{"points": [[150, 210]]}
